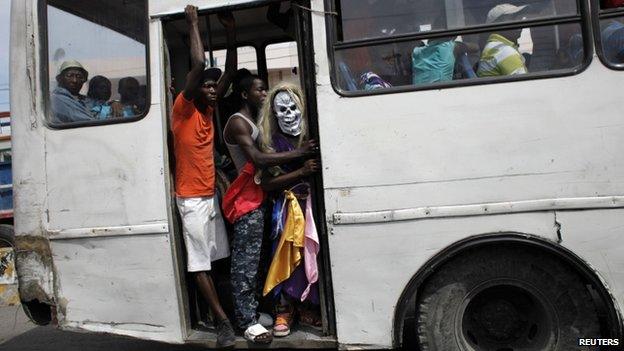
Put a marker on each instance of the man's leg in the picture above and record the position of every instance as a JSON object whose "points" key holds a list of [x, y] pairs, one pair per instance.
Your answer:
{"points": [[246, 246], [209, 292], [199, 240]]}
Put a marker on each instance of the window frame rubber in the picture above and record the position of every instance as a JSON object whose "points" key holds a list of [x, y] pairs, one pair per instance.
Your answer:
{"points": [[45, 85], [583, 18]]}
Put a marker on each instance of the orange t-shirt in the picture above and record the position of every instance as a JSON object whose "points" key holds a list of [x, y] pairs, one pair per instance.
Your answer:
{"points": [[193, 136]]}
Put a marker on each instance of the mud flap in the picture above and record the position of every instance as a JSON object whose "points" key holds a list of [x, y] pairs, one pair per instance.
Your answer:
{"points": [[9, 293]]}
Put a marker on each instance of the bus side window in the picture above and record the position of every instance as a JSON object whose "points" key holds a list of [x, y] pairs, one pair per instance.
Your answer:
{"points": [[96, 61], [611, 36], [373, 49]]}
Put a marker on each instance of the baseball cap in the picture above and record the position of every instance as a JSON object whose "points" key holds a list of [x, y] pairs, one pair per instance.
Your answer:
{"points": [[501, 10], [71, 64], [212, 73]]}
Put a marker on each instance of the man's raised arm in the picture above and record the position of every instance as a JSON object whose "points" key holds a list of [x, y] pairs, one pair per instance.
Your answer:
{"points": [[231, 58], [198, 58]]}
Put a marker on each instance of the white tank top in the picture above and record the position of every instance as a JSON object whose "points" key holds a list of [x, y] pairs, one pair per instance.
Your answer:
{"points": [[236, 153]]}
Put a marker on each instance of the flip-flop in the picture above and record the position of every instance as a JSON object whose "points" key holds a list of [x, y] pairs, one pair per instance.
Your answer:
{"points": [[253, 332]]}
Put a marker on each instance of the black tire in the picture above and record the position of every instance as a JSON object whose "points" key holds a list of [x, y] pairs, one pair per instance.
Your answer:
{"points": [[7, 238], [505, 298]]}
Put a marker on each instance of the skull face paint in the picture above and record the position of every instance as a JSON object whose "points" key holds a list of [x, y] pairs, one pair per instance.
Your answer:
{"points": [[287, 113]]}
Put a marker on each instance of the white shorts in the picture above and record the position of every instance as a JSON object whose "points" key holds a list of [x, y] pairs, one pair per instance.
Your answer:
{"points": [[204, 232]]}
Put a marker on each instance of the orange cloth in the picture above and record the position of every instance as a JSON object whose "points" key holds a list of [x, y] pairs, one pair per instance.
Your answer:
{"points": [[243, 195], [193, 136], [289, 253]]}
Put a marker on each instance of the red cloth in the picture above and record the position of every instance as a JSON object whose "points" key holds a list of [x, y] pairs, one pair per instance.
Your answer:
{"points": [[243, 195], [609, 4]]}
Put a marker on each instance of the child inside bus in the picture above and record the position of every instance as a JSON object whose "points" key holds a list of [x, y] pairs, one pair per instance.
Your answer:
{"points": [[293, 273], [98, 97]]}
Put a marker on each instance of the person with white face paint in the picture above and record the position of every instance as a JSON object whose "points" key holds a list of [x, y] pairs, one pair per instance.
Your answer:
{"points": [[240, 136], [293, 274]]}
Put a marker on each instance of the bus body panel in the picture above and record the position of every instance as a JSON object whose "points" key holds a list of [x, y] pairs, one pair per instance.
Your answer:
{"points": [[533, 143], [120, 285], [126, 175], [596, 237], [386, 256], [524, 140], [28, 144], [91, 211]]}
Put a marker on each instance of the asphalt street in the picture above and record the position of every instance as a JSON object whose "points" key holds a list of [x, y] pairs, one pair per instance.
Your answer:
{"points": [[17, 333]]}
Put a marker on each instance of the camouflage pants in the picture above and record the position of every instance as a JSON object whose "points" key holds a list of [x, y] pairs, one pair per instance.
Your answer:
{"points": [[246, 244]]}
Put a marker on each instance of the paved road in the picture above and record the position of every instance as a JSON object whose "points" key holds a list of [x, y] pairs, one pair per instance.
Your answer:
{"points": [[17, 333]]}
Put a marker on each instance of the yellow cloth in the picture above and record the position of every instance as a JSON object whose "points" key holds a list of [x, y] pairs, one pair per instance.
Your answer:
{"points": [[289, 253]]}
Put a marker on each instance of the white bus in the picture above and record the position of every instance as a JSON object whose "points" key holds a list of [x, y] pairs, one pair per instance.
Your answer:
{"points": [[465, 211]]}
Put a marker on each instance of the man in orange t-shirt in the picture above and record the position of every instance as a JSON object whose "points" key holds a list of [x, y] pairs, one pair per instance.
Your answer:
{"points": [[204, 232]]}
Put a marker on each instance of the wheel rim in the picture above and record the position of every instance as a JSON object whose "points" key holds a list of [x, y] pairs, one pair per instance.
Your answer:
{"points": [[506, 315]]}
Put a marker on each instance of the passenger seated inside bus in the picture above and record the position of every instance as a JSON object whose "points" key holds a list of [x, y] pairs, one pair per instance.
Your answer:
{"points": [[435, 58], [613, 41], [292, 279], [129, 92], [500, 56], [98, 97], [68, 105]]}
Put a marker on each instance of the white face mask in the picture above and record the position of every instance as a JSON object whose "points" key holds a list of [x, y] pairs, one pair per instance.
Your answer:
{"points": [[287, 113]]}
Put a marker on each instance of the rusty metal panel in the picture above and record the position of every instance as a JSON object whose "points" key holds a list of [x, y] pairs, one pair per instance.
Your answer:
{"points": [[9, 294]]}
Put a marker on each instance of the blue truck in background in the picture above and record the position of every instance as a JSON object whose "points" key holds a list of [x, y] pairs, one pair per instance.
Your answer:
{"points": [[6, 178]]}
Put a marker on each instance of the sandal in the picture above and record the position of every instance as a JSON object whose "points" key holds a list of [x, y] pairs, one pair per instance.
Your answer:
{"points": [[310, 318], [258, 334], [283, 322]]}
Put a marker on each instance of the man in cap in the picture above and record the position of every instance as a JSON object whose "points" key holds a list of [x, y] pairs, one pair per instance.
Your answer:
{"points": [[68, 105], [193, 133], [501, 57]]}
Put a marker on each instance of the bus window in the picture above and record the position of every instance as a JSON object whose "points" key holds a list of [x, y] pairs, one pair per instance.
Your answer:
{"points": [[282, 63], [377, 18], [434, 43], [247, 58], [611, 37], [96, 61]]}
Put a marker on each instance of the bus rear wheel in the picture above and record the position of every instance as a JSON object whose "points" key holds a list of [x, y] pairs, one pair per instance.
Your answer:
{"points": [[505, 299]]}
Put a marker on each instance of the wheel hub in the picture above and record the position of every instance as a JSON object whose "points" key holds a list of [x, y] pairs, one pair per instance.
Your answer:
{"points": [[506, 315], [500, 320]]}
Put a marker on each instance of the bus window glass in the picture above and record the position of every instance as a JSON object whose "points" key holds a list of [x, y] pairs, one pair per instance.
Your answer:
{"points": [[490, 54], [282, 63], [97, 62], [384, 18], [246, 58], [612, 40], [441, 54]]}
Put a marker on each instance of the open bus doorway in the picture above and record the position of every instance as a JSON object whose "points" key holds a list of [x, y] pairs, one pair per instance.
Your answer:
{"points": [[275, 51]]}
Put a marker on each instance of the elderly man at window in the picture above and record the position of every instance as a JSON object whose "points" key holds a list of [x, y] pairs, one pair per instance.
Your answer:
{"points": [[68, 105]]}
